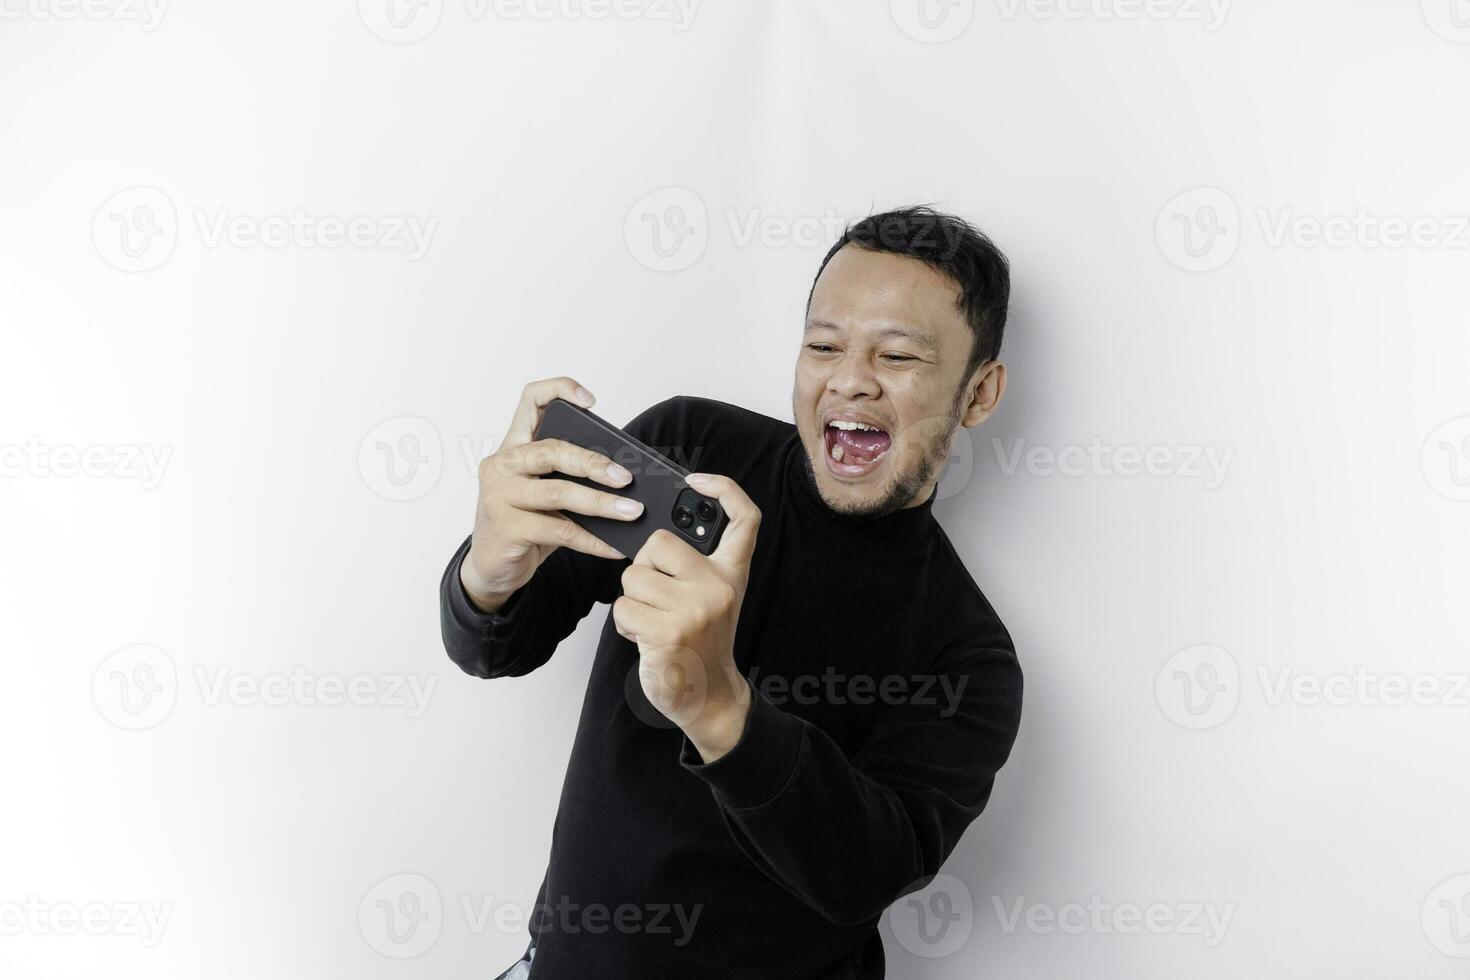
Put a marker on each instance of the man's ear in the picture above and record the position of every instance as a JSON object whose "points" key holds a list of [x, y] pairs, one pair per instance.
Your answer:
{"points": [[983, 392]]}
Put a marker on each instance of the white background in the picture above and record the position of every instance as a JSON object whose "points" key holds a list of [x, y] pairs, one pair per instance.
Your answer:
{"points": [[541, 154]]}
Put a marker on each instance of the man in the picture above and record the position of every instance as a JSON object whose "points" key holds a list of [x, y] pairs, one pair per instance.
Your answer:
{"points": [[780, 739]]}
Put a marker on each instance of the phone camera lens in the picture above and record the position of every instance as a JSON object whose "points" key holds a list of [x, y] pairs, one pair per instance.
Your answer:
{"points": [[706, 510], [683, 517]]}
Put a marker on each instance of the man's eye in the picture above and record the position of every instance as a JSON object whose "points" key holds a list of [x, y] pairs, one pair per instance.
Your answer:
{"points": [[820, 348], [898, 358]]}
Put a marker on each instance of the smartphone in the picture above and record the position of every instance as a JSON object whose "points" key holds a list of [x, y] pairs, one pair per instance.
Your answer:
{"points": [[658, 482]]}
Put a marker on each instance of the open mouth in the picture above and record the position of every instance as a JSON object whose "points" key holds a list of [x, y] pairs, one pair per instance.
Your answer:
{"points": [[854, 449]]}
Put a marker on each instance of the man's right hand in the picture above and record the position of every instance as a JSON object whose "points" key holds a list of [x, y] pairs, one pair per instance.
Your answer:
{"points": [[517, 526]]}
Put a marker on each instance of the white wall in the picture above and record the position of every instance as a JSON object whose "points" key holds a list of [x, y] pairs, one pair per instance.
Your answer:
{"points": [[1328, 382]]}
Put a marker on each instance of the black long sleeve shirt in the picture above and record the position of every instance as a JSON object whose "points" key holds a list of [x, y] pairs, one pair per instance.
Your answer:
{"points": [[887, 695]]}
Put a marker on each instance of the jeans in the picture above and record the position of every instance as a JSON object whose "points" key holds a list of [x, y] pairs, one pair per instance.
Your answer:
{"points": [[521, 969]]}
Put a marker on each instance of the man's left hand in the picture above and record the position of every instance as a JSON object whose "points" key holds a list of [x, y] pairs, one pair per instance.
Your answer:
{"points": [[681, 608]]}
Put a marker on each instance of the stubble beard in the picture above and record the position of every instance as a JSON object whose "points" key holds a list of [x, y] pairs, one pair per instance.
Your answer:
{"points": [[908, 483]]}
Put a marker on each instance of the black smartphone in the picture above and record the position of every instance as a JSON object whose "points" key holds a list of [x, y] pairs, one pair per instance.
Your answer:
{"points": [[658, 482]]}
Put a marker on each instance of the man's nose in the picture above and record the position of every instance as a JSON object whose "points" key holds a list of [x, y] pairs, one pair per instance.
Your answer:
{"points": [[854, 378]]}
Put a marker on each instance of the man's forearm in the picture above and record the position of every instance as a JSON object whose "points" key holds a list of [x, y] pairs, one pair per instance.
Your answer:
{"points": [[483, 599], [720, 725], [494, 643]]}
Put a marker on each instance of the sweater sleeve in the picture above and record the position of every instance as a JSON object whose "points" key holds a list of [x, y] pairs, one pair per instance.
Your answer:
{"points": [[524, 632], [849, 836]]}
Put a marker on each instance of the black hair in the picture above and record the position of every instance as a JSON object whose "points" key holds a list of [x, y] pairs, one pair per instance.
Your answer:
{"points": [[952, 246]]}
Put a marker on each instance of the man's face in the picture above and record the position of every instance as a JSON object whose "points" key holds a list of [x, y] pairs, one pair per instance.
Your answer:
{"points": [[878, 394]]}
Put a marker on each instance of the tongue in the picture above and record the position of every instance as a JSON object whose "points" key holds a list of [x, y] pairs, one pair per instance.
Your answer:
{"points": [[861, 443]]}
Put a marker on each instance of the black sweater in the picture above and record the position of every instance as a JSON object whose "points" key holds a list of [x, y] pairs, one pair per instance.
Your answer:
{"points": [[888, 695]]}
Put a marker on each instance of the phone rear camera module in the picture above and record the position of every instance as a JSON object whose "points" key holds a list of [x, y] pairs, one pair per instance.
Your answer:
{"points": [[696, 517]]}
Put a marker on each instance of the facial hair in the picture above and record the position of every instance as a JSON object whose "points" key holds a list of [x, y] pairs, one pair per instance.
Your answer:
{"points": [[908, 483]]}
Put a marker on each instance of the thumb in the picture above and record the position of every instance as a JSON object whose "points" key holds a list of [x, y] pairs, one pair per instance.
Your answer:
{"points": [[737, 543]]}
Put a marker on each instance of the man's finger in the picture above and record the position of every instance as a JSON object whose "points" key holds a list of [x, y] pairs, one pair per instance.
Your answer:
{"points": [[737, 544], [633, 618], [559, 456], [534, 397], [650, 587], [555, 531], [666, 552]]}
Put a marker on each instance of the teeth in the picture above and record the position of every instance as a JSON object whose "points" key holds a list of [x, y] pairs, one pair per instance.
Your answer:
{"points": [[837, 452], [849, 426]]}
